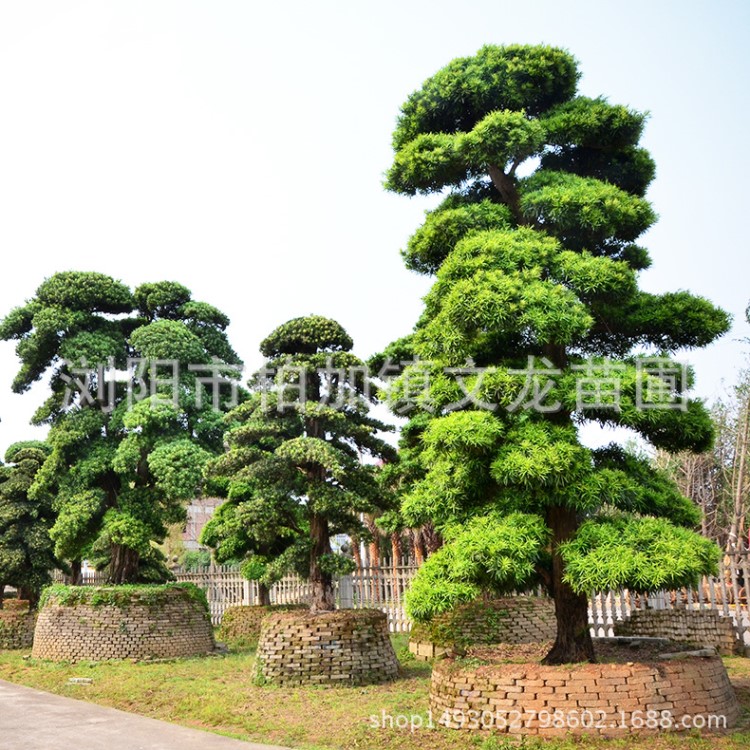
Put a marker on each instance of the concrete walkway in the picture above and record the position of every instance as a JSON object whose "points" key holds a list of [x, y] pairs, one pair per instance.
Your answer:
{"points": [[33, 720]]}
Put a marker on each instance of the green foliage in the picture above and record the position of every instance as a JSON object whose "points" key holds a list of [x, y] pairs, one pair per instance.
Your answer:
{"points": [[194, 560], [306, 336], [583, 212], [432, 243], [487, 553], [458, 96], [87, 292], [642, 554], [26, 550], [538, 272], [123, 457]]}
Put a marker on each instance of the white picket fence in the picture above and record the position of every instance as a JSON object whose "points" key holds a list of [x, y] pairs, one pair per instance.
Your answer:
{"points": [[727, 593], [383, 588], [379, 588]]}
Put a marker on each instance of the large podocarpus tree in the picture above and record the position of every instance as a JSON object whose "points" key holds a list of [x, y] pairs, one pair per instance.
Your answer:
{"points": [[293, 471], [535, 303], [131, 425]]}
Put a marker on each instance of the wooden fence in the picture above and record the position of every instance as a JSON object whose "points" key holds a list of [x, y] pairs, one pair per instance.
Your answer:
{"points": [[384, 587]]}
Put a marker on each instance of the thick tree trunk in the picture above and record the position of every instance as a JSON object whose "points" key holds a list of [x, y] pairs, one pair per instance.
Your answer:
{"points": [[419, 550], [322, 583], [29, 594], [2, 594], [433, 541], [123, 567], [264, 595], [573, 642], [76, 576]]}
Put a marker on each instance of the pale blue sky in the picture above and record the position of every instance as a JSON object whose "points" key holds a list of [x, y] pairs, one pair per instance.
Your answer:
{"points": [[239, 147]]}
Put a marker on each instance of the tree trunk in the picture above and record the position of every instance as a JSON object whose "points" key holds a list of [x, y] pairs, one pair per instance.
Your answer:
{"points": [[322, 583], [395, 563], [264, 595], [123, 566], [76, 577], [2, 594], [357, 553], [433, 541], [419, 550], [573, 642], [29, 594], [374, 547]]}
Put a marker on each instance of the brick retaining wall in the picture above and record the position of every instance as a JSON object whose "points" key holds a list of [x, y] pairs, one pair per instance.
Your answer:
{"points": [[176, 626], [16, 625], [703, 628], [612, 699], [518, 619], [345, 647], [241, 625]]}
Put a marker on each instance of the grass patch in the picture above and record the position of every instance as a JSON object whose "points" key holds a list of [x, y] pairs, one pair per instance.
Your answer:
{"points": [[216, 694], [150, 595]]}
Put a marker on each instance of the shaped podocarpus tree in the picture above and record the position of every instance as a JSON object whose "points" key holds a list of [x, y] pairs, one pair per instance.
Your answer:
{"points": [[293, 470], [131, 426], [26, 550], [535, 300]]}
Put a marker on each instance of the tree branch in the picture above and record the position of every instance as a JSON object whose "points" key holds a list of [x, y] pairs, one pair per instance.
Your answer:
{"points": [[506, 186]]}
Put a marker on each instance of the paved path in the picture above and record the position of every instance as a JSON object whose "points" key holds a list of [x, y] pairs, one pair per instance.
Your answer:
{"points": [[33, 720]]}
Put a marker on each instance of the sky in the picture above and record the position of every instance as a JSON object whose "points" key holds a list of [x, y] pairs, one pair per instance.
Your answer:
{"points": [[239, 148]]}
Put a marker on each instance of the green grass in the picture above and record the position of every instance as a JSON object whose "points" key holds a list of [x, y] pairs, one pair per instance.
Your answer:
{"points": [[216, 694]]}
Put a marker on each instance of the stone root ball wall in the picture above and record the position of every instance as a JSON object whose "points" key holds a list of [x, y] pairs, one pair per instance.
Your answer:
{"points": [[346, 647], [241, 625], [703, 628], [171, 625], [611, 699], [518, 619], [16, 625]]}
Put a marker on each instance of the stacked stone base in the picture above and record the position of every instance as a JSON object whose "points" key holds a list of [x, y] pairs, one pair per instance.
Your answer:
{"points": [[607, 700], [240, 626], [346, 647], [701, 628], [518, 619], [16, 625], [176, 626]]}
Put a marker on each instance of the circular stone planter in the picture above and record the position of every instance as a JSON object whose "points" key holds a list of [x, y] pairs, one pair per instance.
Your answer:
{"points": [[607, 700], [122, 622], [518, 619], [16, 625], [240, 626], [346, 647], [698, 627]]}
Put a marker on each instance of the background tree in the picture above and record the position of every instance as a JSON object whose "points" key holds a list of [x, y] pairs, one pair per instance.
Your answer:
{"points": [[536, 292], [131, 426], [26, 550], [718, 481], [293, 472]]}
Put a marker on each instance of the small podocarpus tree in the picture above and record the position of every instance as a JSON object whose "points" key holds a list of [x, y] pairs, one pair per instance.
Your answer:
{"points": [[26, 550], [536, 292], [293, 471]]}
